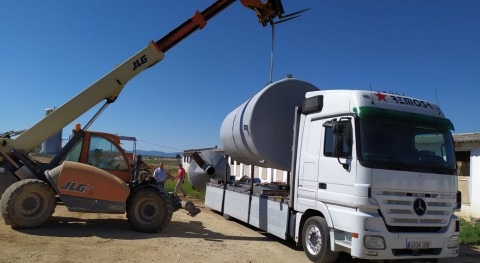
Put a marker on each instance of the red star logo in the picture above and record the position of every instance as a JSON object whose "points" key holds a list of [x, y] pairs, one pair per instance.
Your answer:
{"points": [[381, 96]]}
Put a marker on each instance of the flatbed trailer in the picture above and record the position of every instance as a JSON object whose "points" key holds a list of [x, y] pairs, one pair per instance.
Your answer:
{"points": [[265, 206]]}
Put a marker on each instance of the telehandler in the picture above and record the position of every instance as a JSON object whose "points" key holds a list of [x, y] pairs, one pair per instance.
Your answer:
{"points": [[82, 187]]}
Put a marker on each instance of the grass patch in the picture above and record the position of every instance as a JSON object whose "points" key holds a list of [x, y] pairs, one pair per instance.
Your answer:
{"points": [[170, 187], [469, 232]]}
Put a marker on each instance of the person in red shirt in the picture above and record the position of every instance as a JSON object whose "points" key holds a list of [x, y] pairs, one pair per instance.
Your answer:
{"points": [[180, 178]]}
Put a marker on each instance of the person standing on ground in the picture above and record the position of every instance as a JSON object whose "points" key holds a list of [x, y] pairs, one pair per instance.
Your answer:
{"points": [[180, 178], [160, 175]]}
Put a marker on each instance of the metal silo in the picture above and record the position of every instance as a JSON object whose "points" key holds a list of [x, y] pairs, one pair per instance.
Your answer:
{"points": [[53, 144]]}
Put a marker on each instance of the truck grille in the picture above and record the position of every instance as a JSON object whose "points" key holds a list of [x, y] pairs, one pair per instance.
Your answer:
{"points": [[415, 209]]}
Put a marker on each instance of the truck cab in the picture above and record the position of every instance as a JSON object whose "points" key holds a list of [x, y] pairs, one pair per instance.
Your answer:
{"points": [[380, 169]]}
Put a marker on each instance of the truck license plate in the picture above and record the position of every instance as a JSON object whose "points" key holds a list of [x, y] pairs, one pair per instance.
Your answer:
{"points": [[418, 244]]}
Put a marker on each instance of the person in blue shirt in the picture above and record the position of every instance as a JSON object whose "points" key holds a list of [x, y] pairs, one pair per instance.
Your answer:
{"points": [[160, 175]]}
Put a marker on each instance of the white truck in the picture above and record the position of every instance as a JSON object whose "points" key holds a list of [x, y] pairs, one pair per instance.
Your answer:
{"points": [[372, 174]]}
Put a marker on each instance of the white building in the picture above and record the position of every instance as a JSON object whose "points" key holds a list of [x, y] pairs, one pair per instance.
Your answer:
{"points": [[266, 175], [467, 150]]}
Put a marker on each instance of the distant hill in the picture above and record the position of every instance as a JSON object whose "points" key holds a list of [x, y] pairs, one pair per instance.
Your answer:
{"points": [[158, 153]]}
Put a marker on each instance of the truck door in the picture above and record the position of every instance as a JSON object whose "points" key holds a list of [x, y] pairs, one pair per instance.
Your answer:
{"points": [[337, 170], [309, 154]]}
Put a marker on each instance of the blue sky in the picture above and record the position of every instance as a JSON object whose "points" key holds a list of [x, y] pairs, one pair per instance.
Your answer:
{"points": [[52, 50]]}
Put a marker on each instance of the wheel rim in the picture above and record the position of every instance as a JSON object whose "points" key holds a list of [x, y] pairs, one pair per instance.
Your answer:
{"points": [[313, 240], [148, 211], [31, 205]]}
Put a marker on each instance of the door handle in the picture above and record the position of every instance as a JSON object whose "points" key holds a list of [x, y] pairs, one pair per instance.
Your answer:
{"points": [[322, 186]]}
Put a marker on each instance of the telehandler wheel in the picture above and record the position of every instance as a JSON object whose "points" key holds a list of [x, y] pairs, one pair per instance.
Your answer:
{"points": [[27, 203], [316, 240], [149, 210]]}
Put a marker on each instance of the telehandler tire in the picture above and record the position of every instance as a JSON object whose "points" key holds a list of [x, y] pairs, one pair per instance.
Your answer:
{"points": [[149, 210], [316, 240], [27, 203]]}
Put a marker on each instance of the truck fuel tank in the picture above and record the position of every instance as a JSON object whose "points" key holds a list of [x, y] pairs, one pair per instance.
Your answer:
{"points": [[260, 131]]}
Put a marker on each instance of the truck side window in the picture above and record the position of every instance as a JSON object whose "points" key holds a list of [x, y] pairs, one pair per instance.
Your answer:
{"points": [[328, 145], [344, 134]]}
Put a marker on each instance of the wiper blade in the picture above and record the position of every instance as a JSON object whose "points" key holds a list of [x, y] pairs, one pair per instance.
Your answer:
{"points": [[397, 165], [440, 169]]}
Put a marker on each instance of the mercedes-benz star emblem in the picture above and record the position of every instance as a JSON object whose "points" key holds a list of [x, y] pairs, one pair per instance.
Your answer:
{"points": [[420, 207]]}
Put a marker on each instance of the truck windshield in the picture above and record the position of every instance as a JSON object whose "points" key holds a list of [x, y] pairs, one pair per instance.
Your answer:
{"points": [[404, 143]]}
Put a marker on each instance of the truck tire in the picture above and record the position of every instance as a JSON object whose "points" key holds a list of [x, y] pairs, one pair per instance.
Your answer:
{"points": [[316, 240], [149, 210], [27, 203]]}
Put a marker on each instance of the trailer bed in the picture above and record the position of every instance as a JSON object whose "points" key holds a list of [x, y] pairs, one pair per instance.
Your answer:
{"points": [[268, 209]]}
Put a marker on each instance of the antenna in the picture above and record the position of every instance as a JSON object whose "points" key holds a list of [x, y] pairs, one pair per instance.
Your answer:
{"points": [[438, 102], [371, 93]]}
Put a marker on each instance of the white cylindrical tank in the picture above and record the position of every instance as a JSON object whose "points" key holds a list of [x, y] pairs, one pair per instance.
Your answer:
{"points": [[260, 131], [52, 145]]}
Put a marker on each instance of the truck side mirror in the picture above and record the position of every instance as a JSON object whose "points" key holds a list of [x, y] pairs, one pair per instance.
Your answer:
{"points": [[338, 140], [338, 150]]}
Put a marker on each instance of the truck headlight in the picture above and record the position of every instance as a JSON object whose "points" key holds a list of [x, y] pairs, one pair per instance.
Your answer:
{"points": [[374, 242], [453, 242]]}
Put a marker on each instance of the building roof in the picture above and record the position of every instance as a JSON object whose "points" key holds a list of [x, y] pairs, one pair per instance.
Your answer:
{"points": [[467, 137], [191, 151]]}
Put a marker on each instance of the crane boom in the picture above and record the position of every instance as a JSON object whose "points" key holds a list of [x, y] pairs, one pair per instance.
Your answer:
{"points": [[110, 86]]}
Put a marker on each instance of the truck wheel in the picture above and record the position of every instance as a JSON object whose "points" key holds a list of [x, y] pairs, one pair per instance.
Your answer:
{"points": [[149, 210], [27, 203], [316, 240]]}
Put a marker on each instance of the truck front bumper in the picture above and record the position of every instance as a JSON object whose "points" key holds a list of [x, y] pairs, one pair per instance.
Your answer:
{"points": [[374, 241]]}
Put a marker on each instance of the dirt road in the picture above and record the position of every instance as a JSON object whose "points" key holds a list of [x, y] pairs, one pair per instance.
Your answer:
{"points": [[208, 237]]}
